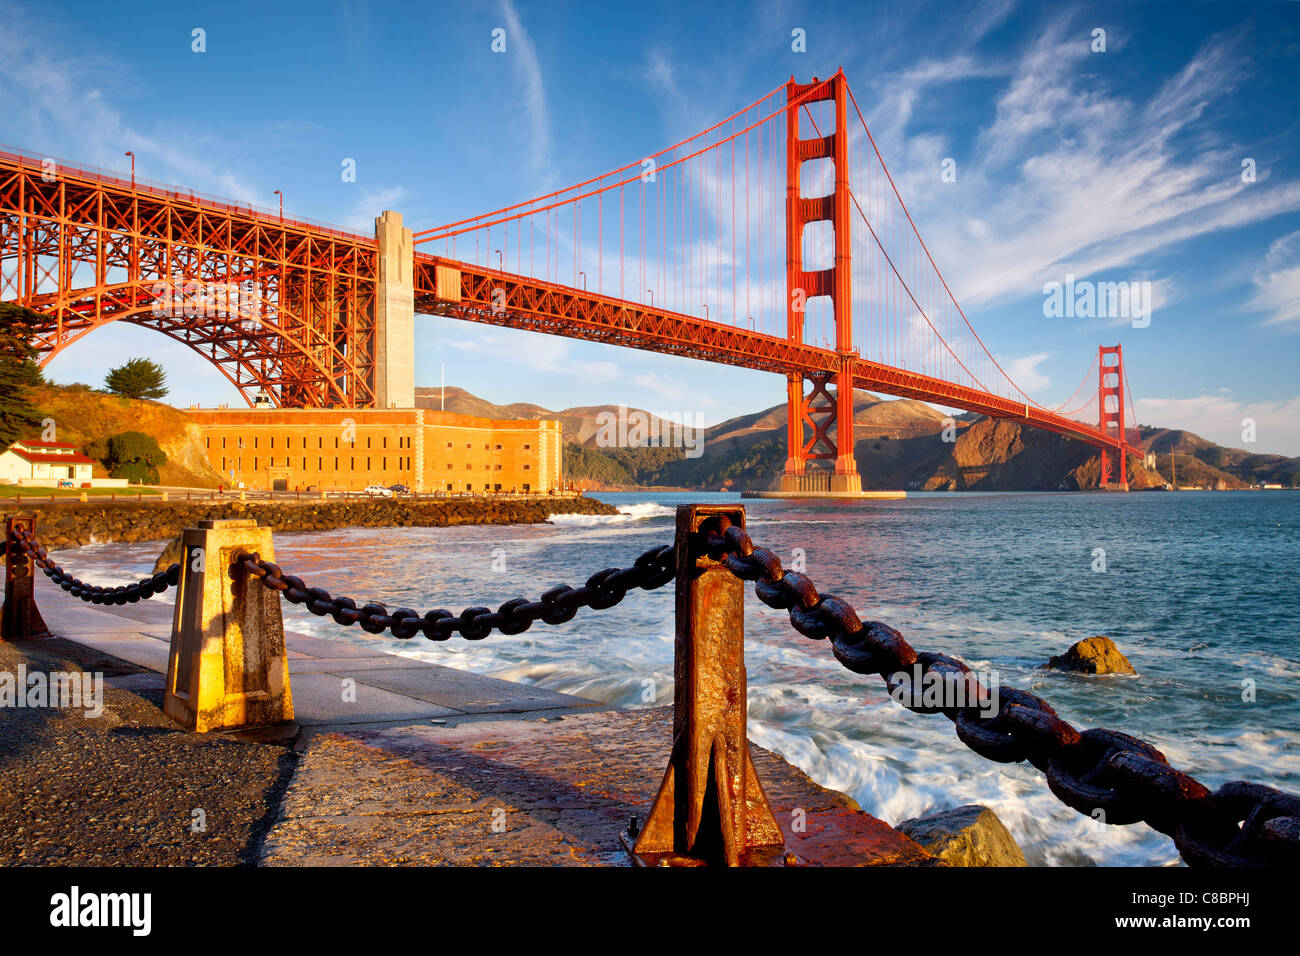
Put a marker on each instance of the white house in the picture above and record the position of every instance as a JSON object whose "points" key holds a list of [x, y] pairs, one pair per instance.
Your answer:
{"points": [[44, 463]]}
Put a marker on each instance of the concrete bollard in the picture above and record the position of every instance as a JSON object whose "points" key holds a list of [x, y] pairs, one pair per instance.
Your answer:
{"points": [[163, 495], [242, 496], [84, 498], [228, 667], [20, 620]]}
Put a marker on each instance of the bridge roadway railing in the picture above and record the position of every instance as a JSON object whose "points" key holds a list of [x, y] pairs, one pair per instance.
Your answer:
{"points": [[710, 807]]}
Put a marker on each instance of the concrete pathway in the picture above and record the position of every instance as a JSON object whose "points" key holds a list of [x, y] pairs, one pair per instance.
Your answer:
{"points": [[435, 766], [387, 689]]}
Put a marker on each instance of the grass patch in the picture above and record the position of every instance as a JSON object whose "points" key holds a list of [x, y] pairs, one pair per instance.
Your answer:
{"points": [[10, 492]]}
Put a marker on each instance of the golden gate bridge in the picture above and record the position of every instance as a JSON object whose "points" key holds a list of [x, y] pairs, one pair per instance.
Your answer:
{"points": [[776, 239]]}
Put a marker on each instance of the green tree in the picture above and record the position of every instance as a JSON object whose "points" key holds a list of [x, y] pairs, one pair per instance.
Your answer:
{"points": [[138, 378], [19, 418], [134, 456]]}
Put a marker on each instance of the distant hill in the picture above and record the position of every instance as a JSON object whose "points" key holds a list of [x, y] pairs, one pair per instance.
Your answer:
{"points": [[899, 444]]}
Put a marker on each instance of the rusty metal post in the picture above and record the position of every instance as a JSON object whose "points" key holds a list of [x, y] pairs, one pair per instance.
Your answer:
{"points": [[20, 620], [710, 808]]}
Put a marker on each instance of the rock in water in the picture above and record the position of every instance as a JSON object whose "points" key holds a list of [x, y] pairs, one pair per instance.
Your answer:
{"points": [[170, 555], [966, 836], [1094, 655]]}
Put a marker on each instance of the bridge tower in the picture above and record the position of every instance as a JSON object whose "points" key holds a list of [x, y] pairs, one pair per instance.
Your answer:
{"points": [[835, 282], [1110, 413]]}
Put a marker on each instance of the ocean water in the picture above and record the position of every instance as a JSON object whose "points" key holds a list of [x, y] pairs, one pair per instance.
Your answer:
{"points": [[1198, 589]]}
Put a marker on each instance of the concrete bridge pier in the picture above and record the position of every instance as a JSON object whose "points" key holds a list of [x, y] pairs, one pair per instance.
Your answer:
{"points": [[394, 314]]}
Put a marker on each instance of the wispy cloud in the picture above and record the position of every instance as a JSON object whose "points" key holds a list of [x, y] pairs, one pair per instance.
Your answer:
{"points": [[1070, 176], [1277, 282], [50, 96], [519, 46], [1222, 419], [370, 203]]}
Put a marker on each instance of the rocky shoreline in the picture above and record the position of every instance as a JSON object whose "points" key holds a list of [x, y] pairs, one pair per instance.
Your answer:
{"points": [[73, 524]]}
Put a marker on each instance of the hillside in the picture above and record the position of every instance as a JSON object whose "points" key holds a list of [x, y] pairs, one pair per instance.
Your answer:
{"points": [[81, 415], [899, 444]]}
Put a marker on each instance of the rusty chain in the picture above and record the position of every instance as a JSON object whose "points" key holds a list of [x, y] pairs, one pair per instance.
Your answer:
{"points": [[94, 593], [1126, 779], [603, 589]]}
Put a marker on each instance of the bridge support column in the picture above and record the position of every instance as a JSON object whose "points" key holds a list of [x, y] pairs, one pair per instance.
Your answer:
{"points": [[394, 314], [846, 477], [796, 459]]}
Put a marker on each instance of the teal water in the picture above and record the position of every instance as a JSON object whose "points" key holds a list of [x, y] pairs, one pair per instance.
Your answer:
{"points": [[1198, 590]]}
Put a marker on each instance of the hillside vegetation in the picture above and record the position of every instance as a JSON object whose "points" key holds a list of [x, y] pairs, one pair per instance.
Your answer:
{"points": [[85, 418]]}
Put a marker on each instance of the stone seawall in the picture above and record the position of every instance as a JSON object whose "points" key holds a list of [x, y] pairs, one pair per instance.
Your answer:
{"points": [[72, 524]]}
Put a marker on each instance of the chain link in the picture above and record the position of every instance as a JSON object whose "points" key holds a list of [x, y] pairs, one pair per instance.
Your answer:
{"points": [[94, 593], [604, 589], [1105, 774]]}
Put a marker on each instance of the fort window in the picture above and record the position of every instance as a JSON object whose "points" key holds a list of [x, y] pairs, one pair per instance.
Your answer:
{"points": [[527, 447], [383, 463], [352, 464], [498, 447], [449, 466], [526, 467], [320, 464], [254, 463]]}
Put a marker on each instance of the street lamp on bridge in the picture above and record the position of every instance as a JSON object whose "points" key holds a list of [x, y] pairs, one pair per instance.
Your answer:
{"points": [[132, 155], [280, 193], [501, 267], [584, 280]]}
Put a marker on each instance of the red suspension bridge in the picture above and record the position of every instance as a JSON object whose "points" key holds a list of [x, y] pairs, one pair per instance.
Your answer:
{"points": [[776, 239]]}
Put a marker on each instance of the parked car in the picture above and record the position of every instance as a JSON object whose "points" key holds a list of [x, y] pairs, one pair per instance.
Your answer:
{"points": [[399, 489], [379, 490]]}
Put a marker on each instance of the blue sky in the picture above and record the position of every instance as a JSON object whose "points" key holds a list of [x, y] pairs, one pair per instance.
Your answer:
{"points": [[1123, 165]]}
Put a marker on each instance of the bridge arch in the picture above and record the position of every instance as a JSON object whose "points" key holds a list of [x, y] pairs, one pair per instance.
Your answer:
{"points": [[248, 348]]}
